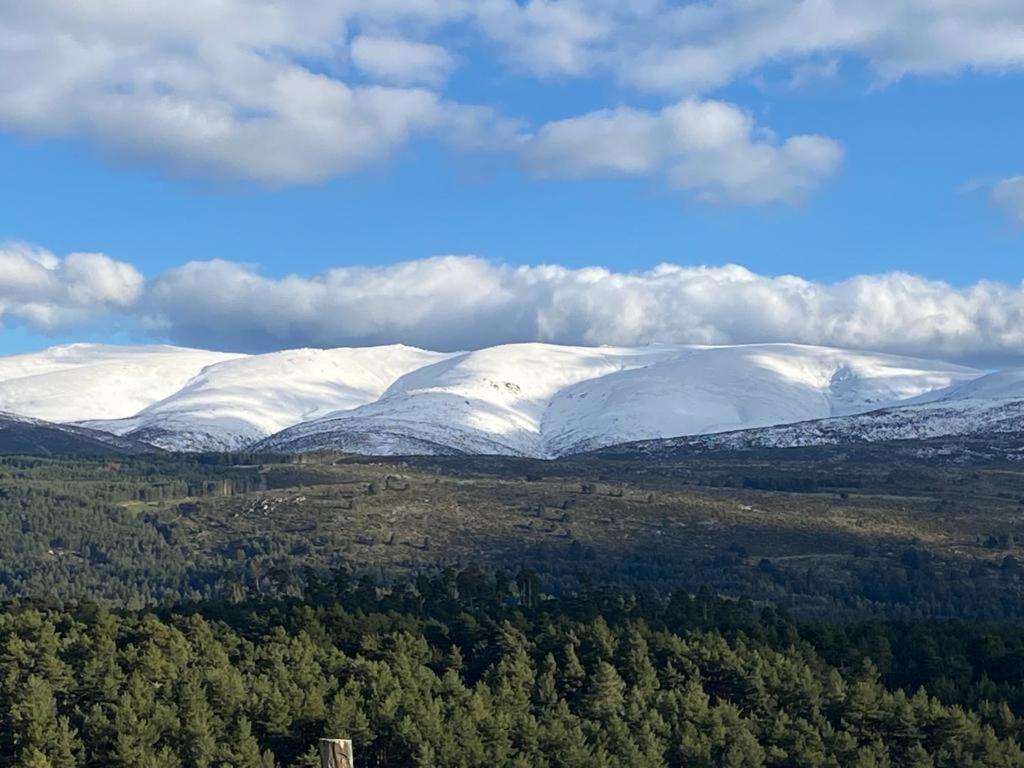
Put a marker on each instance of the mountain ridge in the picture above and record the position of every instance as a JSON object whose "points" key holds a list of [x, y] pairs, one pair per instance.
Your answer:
{"points": [[532, 399], [535, 400], [989, 406]]}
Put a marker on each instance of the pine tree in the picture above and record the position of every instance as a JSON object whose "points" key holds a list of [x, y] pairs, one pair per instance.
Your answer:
{"points": [[32, 758], [37, 726], [242, 750], [917, 757], [599, 642], [634, 660], [605, 697], [199, 739], [573, 676], [546, 690], [346, 715]]}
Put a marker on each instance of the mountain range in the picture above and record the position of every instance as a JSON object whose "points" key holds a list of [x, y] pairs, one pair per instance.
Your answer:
{"points": [[536, 400]]}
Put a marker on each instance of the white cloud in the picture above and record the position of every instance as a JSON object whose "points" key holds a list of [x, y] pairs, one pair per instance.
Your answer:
{"points": [[52, 294], [229, 88], [708, 147], [462, 302], [696, 47], [400, 61], [458, 302], [1008, 194], [691, 48], [548, 37], [608, 141], [264, 90]]}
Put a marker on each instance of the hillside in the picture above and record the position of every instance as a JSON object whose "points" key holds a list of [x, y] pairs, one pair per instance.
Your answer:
{"points": [[23, 436]]}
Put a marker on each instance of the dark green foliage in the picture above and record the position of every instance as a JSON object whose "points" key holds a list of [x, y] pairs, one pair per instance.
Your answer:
{"points": [[68, 527], [423, 677]]}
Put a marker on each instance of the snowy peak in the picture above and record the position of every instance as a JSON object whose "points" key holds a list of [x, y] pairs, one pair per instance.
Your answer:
{"points": [[97, 381], [538, 400], [544, 400], [488, 401], [230, 405], [718, 389]]}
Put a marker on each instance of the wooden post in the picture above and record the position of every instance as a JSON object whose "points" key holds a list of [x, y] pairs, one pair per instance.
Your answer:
{"points": [[336, 753]]}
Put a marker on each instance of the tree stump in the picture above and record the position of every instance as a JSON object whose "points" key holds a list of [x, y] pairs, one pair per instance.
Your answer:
{"points": [[336, 753]]}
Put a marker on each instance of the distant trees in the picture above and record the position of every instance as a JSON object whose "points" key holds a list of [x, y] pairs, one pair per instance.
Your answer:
{"points": [[74, 529]]}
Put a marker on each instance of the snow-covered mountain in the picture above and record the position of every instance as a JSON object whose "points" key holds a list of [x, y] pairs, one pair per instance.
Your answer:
{"points": [[720, 389], [97, 381], [230, 405], [989, 406], [537, 400], [544, 400]]}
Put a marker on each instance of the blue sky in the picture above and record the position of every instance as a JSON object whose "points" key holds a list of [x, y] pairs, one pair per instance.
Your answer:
{"points": [[498, 135]]}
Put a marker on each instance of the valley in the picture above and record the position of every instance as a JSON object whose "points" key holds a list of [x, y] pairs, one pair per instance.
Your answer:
{"points": [[815, 530]]}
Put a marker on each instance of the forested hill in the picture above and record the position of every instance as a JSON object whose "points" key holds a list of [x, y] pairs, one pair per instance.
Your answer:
{"points": [[826, 537], [448, 673]]}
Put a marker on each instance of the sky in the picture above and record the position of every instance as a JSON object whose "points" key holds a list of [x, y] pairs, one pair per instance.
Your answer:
{"points": [[259, 174]]}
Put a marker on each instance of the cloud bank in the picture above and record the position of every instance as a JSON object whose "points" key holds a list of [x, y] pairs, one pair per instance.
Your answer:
{"points": [[462, 302], [285, 92]]}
